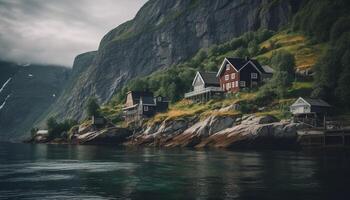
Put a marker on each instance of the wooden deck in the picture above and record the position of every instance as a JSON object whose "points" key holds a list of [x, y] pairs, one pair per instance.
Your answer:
{"points": [[321, 138]]}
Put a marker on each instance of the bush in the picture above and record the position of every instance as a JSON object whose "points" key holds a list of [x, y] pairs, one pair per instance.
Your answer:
{"points": [[92, 107], [56, 129]]}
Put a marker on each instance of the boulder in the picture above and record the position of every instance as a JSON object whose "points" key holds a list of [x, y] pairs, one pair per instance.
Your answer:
{"points": [[105, 136]]}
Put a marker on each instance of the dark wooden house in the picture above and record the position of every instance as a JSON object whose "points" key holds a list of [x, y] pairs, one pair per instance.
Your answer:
{"points": [[143, 105], [312, 111], [238, 73], [205, 87]]}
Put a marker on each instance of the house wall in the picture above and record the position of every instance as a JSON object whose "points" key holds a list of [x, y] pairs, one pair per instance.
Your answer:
{"points": [[198, 84], [245, 75], [129, 100], [299, 109], [233, 82]]}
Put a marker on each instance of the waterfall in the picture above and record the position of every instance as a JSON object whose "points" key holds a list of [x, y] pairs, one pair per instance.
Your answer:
{"points": [[3, 86], [3, 103]]}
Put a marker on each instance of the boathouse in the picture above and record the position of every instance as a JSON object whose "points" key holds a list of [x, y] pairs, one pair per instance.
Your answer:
{"points": [[312, 111], [206, 86], [143, 105], [239, 73]]}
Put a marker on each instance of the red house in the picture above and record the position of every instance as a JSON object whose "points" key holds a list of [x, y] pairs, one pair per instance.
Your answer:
{"points": [[238, 73]]}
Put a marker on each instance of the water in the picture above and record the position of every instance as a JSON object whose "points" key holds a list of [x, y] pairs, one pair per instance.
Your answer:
{"points": [[95, 172]]}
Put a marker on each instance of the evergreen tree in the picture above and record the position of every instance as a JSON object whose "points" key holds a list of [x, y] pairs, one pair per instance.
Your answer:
{"points": [[92, 107]]}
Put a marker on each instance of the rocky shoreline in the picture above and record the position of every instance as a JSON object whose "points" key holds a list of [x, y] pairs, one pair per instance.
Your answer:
{"points": [[226, 132]]}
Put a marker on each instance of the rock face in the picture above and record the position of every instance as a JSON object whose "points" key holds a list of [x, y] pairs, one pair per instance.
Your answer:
{"points": [[164, 33], [221, 132], [89, 134]]}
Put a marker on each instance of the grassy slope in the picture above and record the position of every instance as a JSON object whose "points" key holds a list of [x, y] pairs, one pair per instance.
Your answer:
{"points": [[306, 55]]}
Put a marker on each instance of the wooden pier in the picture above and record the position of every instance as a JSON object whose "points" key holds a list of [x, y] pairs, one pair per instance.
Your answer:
{"points": [[322, 138]]}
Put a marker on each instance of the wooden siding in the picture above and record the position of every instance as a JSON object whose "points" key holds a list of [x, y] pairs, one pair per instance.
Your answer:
{"points": [[232, 82], [245, 75]]}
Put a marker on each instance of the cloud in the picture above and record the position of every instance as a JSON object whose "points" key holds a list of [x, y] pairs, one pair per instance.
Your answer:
{"points": [[55, 31]]}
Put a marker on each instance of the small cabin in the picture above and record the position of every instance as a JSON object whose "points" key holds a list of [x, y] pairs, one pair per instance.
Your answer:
{"points": [[307, 105], [143, 105], [205, 87], [312, 111], [239, 73]]}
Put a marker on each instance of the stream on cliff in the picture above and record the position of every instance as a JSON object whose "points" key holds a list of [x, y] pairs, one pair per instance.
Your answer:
{"points": [[105, 172]]}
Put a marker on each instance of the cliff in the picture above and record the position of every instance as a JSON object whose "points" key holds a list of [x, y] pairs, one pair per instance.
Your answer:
{"points": [[164, 33]]}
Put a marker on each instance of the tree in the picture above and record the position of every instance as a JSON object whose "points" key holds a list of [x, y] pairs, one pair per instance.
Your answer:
{"points": [[283, 61], [92, 107]]}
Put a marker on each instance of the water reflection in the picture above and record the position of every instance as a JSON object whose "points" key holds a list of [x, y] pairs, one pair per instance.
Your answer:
{"points": [[93, 172]]}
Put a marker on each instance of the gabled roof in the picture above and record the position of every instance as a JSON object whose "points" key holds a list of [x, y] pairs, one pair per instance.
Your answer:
{"points": [[268, 69], [207, 77], [311, 102], [136, 95], [146, 100], [240, 63]]}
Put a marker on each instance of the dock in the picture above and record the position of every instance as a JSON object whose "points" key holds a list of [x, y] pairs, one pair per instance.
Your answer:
{"points": [[323, 138]]}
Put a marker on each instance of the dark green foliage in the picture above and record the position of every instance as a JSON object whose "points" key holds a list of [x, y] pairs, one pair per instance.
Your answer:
{"points": [[57, 129], [92, 107], [332, 73], [283, 61], [317, 17], [177, 80], [33, 131], [284, 64]]}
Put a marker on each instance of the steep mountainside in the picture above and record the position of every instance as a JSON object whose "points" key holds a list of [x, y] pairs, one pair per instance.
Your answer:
{"points": [[26, 92], [165, 33]]}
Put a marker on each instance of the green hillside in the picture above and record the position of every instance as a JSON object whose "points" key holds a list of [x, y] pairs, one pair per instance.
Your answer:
{"points": [[319, 45]]}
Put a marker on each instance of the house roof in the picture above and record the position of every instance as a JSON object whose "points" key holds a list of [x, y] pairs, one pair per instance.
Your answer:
{"points": [[209, 77], [240, 63], [317, 102], [136, 95], [267, 69], [312, 102], [147, 100]]}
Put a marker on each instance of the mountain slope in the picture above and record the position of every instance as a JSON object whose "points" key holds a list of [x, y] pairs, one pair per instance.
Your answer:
{"points": [[26, 92], [165, 33]]}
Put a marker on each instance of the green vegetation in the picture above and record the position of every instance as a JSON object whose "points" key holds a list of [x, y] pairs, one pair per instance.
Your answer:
{"points": [[92, 107], [329, 21], [320, 44], [56, 129]]}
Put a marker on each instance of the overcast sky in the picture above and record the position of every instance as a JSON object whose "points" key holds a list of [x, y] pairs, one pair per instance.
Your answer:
{"points": [[55, 31]]}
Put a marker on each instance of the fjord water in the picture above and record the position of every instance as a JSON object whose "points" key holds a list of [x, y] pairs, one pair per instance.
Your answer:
{"points": [[98, 172]]}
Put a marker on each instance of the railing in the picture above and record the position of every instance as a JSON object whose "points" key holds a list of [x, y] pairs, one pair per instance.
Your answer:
{"points": [[204, 90]]}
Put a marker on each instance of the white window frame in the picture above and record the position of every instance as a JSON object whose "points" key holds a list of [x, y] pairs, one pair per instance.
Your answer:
{"points": [[233, 76], [242, 84], [228, 67], [254, 75], [228, 86], [223, 86], [227, 77], [233, 84], [145, 108], [237, 84]]}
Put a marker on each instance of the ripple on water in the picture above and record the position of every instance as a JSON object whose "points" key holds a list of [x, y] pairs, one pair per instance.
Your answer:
{"points": [[67, 166]]}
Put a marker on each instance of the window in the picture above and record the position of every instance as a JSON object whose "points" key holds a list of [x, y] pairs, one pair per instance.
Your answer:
{"points": [[228, 86], [159, 98], [227, 67], [227, 77], [223, 86], [254, 75], [233, 84], [145, 108], [233, 76], [242, 83], [236, 83]]}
